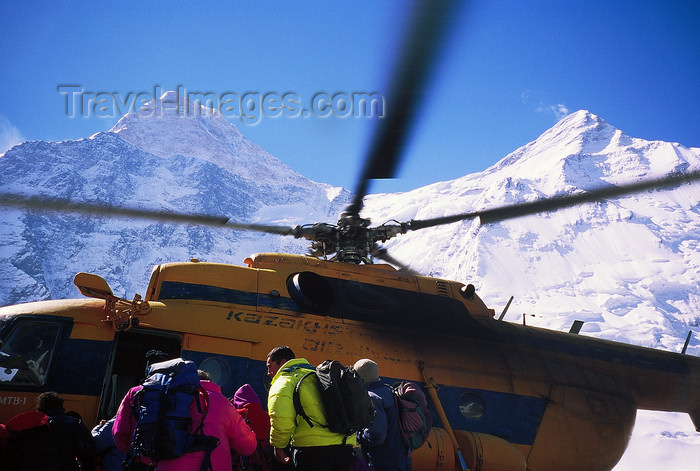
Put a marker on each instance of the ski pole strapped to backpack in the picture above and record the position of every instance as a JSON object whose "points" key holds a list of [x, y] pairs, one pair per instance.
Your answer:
{"points": [[346, 402], [415, 421], [162, 412]]}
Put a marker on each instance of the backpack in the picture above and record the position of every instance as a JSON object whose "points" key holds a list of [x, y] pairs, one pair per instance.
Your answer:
{"points": [[40, 442], [260, 460], [259, 422], [346, 402], [162, 412], [28, 441], [415, 420]]}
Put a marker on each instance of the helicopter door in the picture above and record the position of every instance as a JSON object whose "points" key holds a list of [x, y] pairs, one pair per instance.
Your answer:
{"points": [[127, 365]]}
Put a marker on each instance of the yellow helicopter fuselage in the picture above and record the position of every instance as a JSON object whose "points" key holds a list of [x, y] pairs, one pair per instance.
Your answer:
{"points": [[509, 397]]}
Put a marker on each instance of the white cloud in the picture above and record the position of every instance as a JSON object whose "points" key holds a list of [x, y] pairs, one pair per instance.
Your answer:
{"points": [[559, 110], [9, 135]]}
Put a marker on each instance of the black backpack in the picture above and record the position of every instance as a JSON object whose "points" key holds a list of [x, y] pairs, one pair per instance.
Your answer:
{"points": [[162, 412], [28, 442], [346, 402], [38, 442]]}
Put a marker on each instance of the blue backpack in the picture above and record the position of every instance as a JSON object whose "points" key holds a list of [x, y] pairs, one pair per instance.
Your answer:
{"points": [[162, 412]]}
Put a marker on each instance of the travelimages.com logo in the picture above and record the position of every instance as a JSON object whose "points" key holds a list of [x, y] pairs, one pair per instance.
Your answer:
{"points": [[249, 107]]}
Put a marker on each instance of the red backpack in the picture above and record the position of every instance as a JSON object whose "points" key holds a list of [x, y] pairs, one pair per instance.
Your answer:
{"points": [[28, 441], [415, 420]]}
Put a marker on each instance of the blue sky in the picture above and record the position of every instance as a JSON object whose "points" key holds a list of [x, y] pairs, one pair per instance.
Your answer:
{"points": [[508, 72]]}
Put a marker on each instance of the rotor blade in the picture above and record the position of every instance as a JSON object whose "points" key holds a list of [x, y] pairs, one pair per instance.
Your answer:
{"points": [[426, 35], [64, 205], [558, 202], [382, 253]]}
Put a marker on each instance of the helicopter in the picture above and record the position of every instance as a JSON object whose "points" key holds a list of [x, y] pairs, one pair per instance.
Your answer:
{"points": [[505, 396]]}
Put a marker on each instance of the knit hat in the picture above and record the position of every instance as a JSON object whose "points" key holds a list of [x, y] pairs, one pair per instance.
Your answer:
{"points": [[155, 356], [245, 395], [367, 369]]}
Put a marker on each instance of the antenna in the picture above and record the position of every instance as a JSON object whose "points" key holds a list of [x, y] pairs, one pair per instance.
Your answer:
{"points": [[685, 345], [505, 309], [576, 327]]}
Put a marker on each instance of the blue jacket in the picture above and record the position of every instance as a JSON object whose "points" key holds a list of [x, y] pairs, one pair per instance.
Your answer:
{"points": [[111, 457], [382, 441]]}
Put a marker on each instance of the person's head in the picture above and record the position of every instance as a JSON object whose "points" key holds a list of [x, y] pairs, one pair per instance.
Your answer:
{"points": [[49, 402], [155, 356], [243, 396], [367, 369], [277, 357]]}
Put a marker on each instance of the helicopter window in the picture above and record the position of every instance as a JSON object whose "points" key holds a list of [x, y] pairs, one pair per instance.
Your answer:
{"points": [[471, 406], [217, 368], [310, 291], [26, 352]]}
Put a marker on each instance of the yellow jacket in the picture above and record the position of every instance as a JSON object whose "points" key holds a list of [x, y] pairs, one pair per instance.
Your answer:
{"points": [[286, 426]]}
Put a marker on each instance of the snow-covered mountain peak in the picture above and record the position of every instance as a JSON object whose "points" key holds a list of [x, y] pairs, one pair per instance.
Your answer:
{"points": [[633, 257], [579, 120], [583, 151], [579, 133], [160, 125], [582, 131], [174, 125], [161, 157]]}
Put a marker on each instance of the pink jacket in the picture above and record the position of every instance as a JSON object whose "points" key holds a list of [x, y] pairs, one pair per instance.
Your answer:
{"points": [[222, 421]]}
